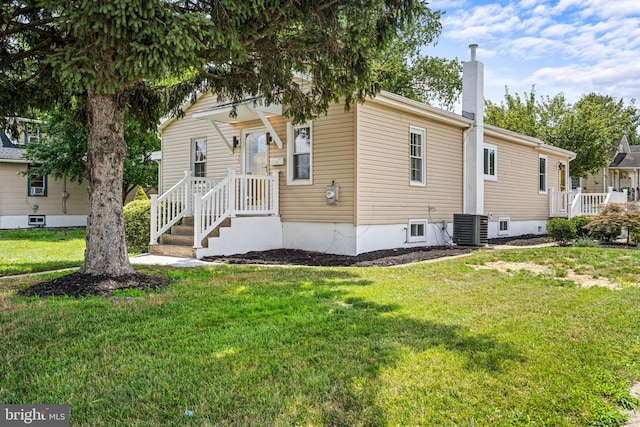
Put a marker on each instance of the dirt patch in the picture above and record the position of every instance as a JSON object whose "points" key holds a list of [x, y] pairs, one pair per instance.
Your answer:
{"points": [[80, 285], [581, 280]]}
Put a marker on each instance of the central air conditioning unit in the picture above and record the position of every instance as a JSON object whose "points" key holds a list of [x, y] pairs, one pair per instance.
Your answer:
{"points": [[470, 230]]}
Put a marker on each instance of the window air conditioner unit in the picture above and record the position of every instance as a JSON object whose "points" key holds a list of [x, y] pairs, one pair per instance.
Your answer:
{"points": [[37, 191], [33, 138], [37, 220], [470, 230]]}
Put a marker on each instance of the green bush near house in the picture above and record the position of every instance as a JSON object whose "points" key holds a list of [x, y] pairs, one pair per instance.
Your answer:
{"points": [[561, 230], [137, 217], [140, 195], [581, 223]]}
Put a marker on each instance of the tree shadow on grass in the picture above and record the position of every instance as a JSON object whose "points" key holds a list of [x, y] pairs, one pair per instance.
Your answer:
{"points": [[296, 348]]}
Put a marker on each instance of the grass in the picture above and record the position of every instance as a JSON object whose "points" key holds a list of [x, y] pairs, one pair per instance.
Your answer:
{"points": [[34, 250], [431, 344]]}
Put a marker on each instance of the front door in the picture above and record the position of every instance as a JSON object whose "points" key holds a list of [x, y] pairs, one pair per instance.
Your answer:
{"points": [[563, 176], [562, 185], [256, 152]]}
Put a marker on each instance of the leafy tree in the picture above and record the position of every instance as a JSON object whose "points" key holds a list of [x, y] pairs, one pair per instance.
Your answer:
{"points": [[108, 53], [63, 151], [589, 127], [410, 72]]}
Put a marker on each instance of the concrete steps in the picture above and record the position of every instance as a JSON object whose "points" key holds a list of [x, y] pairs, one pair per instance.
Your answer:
{"points": [[179, 242]]}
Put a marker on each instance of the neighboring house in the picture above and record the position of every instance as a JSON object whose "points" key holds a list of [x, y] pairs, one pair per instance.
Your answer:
{"points": [[389, 173], [622, 174], [35, 201]]}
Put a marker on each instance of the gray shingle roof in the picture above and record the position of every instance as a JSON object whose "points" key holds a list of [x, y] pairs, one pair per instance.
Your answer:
{"points": [[626, 160], [9, 150]]}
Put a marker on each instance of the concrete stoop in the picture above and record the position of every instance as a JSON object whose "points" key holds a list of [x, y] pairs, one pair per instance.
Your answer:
{"points": [[179, 242]]}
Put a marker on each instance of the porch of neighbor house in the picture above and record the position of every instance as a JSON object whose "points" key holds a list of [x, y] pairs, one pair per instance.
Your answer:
{"points": [[567, 204]]}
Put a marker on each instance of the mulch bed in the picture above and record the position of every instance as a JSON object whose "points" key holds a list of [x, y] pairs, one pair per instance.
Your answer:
{"points": [[384, 258], [80, 285]]}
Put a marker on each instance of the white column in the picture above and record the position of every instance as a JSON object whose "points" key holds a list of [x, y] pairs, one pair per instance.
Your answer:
{"points": [[473, 144]]}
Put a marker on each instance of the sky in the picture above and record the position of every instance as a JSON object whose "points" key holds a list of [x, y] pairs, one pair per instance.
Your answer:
{"points": [[570, 46]]}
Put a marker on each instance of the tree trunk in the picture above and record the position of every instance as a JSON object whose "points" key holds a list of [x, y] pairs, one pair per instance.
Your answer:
{"points": [[106, 252]]}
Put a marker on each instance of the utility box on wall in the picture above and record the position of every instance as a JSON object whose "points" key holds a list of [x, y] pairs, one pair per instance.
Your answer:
{"points": [[332, 194], [470, 230]]}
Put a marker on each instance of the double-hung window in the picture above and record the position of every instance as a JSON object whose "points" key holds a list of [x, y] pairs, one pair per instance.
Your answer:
{"points": [[37, 182], [199, 151], [542, 174], [31, 133], [490, 162], [418, 156], [299, 150]]}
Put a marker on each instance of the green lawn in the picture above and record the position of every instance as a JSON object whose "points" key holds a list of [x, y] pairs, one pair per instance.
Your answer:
{"points": [[444, 343], [34, 250]]}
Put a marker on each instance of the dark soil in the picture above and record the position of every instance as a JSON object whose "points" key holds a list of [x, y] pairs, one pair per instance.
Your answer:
{"points": [[383, 258], [80, 285]]}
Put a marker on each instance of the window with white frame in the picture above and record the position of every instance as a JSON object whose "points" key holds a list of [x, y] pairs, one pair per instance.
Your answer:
{"points": [[490, 162], [418, 156], [36, 182], [199, 151], [542, 174], [31, 133], [417, 231], [299, 151], [503, 226]]}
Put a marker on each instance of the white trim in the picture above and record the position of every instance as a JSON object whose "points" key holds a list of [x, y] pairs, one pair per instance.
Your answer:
{"points": [[488, 176], [546, 174], [12, 222], [506, 231], [423, 158], [290, 152], [424, 110], [530, 141], [412, 238]]}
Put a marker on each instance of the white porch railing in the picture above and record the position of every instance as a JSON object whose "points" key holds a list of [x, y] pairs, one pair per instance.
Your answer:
{"points": [[575, 203], [234, 195], [175, 204], [210, 203]]}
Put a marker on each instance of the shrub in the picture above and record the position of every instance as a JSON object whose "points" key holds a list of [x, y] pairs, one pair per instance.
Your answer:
{"points": [[581, 223], [608, 224], [561, 230], [140, 194], [137, 219]]}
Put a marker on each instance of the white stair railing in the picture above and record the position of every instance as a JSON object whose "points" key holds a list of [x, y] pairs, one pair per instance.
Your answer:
{"points": [[175, 204], [210, 209], [234, 195]]}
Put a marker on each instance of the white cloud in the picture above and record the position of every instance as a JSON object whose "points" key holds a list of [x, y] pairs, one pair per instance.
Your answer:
{"points": [[570, 46], [557, 30]]}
